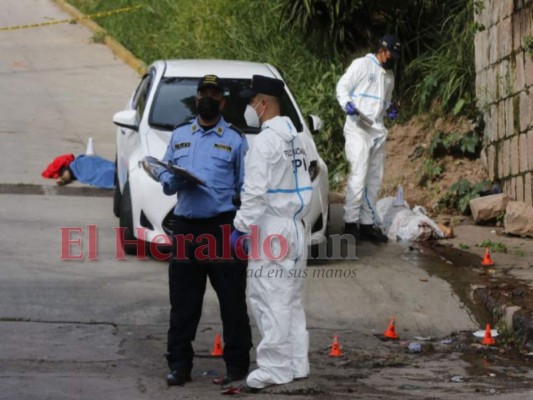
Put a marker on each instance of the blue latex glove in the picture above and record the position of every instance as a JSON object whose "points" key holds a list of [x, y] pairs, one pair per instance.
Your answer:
{"points": [[235, 235], [392, 112], [242, 245], [350, 109]]}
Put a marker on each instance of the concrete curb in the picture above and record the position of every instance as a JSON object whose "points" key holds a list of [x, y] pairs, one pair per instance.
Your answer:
{"points": [[52, 190], [500, 307], [516, 319], [336, 198], [119, 50]]}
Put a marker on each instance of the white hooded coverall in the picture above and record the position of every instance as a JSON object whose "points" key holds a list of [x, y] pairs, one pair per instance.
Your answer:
{"points": [[276, 196], [369, 86]]}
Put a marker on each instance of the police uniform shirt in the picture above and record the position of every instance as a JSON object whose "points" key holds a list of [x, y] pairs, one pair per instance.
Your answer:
{"points": [[216, 156]]}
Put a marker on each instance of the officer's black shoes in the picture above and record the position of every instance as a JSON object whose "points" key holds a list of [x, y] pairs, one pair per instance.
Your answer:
{"points": [[352, 229], [372, 234], [178, 377], [228, 378]]}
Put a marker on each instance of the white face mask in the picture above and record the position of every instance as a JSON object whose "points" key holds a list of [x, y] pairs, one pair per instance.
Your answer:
{"points": [[251, 118]]}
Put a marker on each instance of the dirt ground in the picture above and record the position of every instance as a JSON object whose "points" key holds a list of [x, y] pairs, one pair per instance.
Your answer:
{"points": [[453, 367], [406, 152]]}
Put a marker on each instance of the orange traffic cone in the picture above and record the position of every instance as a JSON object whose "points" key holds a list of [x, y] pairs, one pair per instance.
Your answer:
{"points": [[390, 333], [488, 339], [217, 347], [335, 348], [487, 260]]}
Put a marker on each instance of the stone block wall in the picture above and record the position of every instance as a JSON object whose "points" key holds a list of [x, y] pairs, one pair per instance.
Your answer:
{"points": [[504, 88]]}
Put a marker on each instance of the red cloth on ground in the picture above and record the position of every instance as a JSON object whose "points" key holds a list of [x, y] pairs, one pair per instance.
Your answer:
{"points": [[52, 171]]}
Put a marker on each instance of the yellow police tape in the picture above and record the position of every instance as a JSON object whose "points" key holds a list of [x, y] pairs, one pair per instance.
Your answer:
{"points": [[71, 20]]}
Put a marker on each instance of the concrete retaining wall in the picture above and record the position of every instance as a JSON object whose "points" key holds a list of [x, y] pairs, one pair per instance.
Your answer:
{"points": [[504, 88]]}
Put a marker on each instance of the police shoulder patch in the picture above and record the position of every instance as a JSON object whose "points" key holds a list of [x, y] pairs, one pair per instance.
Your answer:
{"points": [[182, 124], [231, 126]]}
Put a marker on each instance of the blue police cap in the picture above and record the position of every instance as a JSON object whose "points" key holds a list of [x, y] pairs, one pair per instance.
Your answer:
{"points": [[264, 85]]}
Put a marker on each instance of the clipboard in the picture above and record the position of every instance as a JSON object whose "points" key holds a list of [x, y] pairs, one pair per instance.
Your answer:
{"points": [[150, 163]]}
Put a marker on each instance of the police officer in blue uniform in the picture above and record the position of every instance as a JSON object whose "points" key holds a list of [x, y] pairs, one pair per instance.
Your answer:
{"points": [[213, 150]]}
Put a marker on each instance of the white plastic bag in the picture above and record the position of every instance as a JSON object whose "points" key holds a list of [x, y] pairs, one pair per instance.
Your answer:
{"points": [[403, 224]]}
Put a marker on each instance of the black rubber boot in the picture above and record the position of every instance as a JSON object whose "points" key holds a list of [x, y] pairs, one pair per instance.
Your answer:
{"points": [[352, 229], [372, 234]]}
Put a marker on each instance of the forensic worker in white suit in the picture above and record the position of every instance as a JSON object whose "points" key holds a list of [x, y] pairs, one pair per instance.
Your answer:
{"points": [[276, 196], [364, 92]]}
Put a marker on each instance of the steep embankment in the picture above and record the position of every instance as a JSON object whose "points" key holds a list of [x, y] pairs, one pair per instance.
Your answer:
{"points": [[415, 161]]}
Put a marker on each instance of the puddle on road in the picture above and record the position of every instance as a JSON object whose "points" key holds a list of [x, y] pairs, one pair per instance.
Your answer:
{"points": [[487, 364], [461, 278], [508, 367]]}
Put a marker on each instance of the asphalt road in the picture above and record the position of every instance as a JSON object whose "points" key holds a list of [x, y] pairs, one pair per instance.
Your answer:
{"points": [[89, 329]]}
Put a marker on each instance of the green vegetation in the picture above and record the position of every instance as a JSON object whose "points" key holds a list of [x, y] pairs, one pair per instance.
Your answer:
{"points": [[98, 37], [456, 144], [312, 42], [493, 246], [233, 30], [443, 76], [437, 68], [528, 45], [463, 246], [460, 193], [520, 253], [506, 335], [431, 170]]}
